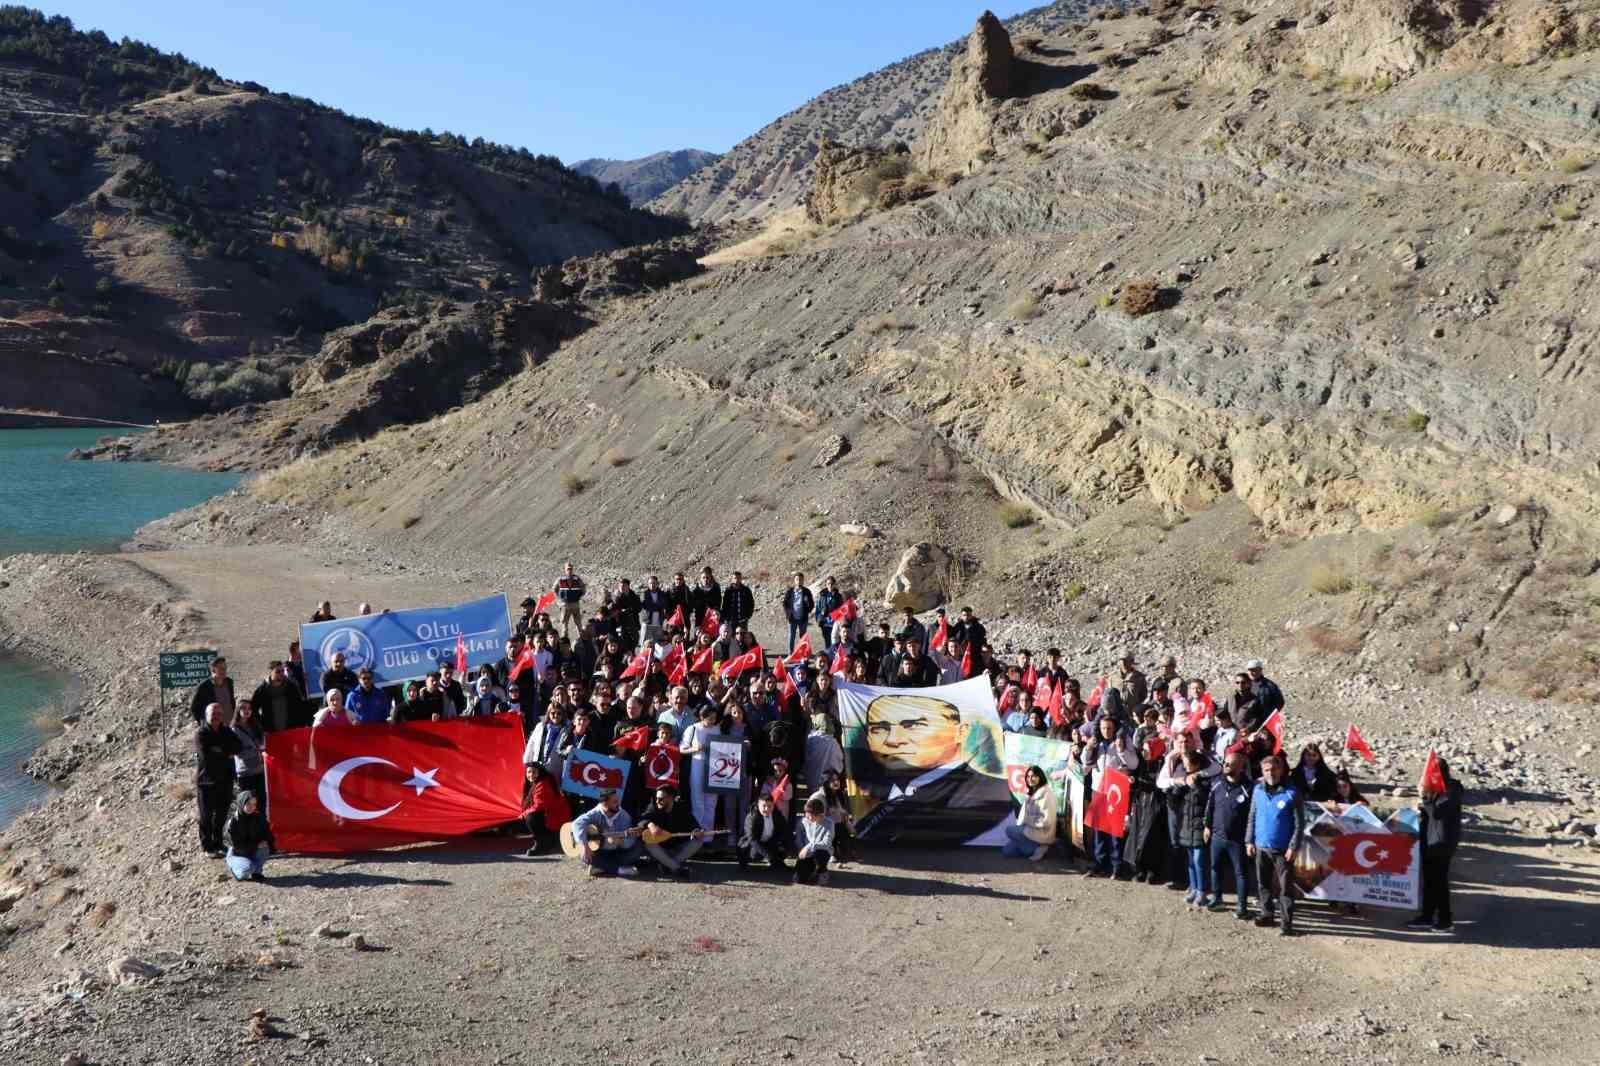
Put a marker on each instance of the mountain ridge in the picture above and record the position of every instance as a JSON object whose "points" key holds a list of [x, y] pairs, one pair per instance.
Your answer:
{"points": [[642, 180]]}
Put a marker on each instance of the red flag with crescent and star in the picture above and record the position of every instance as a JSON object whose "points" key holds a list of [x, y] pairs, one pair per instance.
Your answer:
{"points": [[703, 661], [841, 660], [676, 663], [1108, 809], [846, 612], [524, 662], [676, 617], [635, 739], [802, 651], [711, 624], [1371, 853], [638, 665], [941, 635], [547, 601], [1432, 776], [333, 791], [661, 766], [1274, 726], [753, 659]]}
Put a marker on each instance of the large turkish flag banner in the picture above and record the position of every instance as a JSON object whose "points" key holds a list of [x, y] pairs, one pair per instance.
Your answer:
{"points": [[338, 789]]}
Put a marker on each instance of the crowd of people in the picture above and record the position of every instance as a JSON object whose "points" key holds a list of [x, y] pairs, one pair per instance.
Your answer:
{"points": [[1215, 803]]}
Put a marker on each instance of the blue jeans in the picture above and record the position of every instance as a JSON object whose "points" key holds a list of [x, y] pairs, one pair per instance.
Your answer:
{"points": [[1197, 871], [1107, 852], [613, 859], [1233, 853], [796, 631], [1017, 845], [243, 866]]}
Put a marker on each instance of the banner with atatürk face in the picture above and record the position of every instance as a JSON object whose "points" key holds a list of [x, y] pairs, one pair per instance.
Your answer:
{"points": [[925, 765]]}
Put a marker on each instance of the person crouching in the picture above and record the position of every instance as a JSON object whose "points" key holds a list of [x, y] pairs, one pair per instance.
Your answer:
{"points": [[766, 835], [249, 839], [816, 830]]}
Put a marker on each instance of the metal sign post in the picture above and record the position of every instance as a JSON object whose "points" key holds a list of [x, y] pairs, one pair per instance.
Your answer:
{"points": [[178, 670]]}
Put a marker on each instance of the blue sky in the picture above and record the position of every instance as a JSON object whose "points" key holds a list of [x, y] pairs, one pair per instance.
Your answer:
{"points": [[619, 79]]}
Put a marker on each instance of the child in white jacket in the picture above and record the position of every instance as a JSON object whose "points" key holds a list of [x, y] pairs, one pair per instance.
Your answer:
{"points": [[816, 844]]}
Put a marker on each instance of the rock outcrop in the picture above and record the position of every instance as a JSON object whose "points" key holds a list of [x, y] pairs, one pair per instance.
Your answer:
{"points": [[919, 582], [849, 179], [962, 127]]}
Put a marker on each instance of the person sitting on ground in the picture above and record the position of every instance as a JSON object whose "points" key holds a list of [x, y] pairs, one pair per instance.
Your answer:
{"points": [[1035, 829], [1273, 833], [333, 712], [1441, 835], [249, 839], [1312, 778], [816, 844], [666, 813], [766, 835], [616, 845], [1227, 811], [544, 808]]}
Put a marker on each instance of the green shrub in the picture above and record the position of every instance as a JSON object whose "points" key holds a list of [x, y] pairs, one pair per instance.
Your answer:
{"points": [[1416, 421], [1016, 516], [1326, 580], [220, 387]]}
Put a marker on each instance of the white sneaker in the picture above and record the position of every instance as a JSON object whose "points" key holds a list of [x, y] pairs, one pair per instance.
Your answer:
{"points": [[1038, 852], [628, 871]]}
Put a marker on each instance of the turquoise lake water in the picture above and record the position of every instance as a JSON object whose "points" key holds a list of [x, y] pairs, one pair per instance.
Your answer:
{"points": [[49, 503]]}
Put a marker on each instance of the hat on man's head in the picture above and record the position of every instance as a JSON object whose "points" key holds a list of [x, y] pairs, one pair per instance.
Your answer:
{"points": [[1255, 664]]}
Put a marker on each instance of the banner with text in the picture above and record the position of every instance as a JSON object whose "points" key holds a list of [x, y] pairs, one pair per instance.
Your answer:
{"points": [[401, 646], [925, 765], [1350, 855]]}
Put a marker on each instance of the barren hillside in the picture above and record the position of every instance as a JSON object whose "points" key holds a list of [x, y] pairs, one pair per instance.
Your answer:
{"points": [[1191, 259], [173, 242]]}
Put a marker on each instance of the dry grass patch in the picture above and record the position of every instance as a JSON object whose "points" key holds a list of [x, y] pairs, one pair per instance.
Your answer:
{"points": [[1573, 163], [1326, 579], [1016, 515], [889, 324], [1025, 308], [1141, 298], [615, 457], [1325, 638], [1247, 553], [572, 484], [102, 913]]}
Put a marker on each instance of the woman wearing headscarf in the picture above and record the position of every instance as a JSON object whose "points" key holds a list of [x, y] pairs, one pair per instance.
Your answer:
{"points": [[249, 839], [1441, 833]]}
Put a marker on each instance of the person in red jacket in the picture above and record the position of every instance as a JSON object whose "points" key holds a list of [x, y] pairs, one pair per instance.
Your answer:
{"points": [[544, 809]]}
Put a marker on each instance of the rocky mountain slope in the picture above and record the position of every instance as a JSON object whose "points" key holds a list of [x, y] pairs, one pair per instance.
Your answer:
{"points": [[772, 169], [1189, 260], [642, 180], [173, 241]]}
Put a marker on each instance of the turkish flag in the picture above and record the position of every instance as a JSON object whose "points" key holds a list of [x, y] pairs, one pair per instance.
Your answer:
{"points": [[588, 772], [676, 617], [846, 612], [676, 663], [524, 662], [1008, 698], [802, 651], [635, 739], [661, 766], [780, 792], [1108, 809], [1354, 741], [1030, 679], [966, 662], [1041, 698], [941, 635], [1432, 776], [461, 656], [1274, 725], [1098, 691], [1371, 853], [841, 661], [701, 663], [1057, 702], [787, 690], [637, 666], [332, 791], [1017, 779], [753, 659], [546, 602], [711, 624]]}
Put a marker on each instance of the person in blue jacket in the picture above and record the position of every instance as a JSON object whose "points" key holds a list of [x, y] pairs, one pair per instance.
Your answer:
{"points": [[1272, 834]]}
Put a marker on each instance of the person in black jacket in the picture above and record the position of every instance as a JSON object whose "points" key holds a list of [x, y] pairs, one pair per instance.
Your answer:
{"points": [[1441, 833], [667, 813], [215, 745], [767, 835], [969, 635], [218, 689], [1312, 776], [889, 663], [798, 603], [249, 839], [1226, 817], [278, 701], [738, 602], [627, 605], [338, 675], [706, 595], [679, 594]]}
